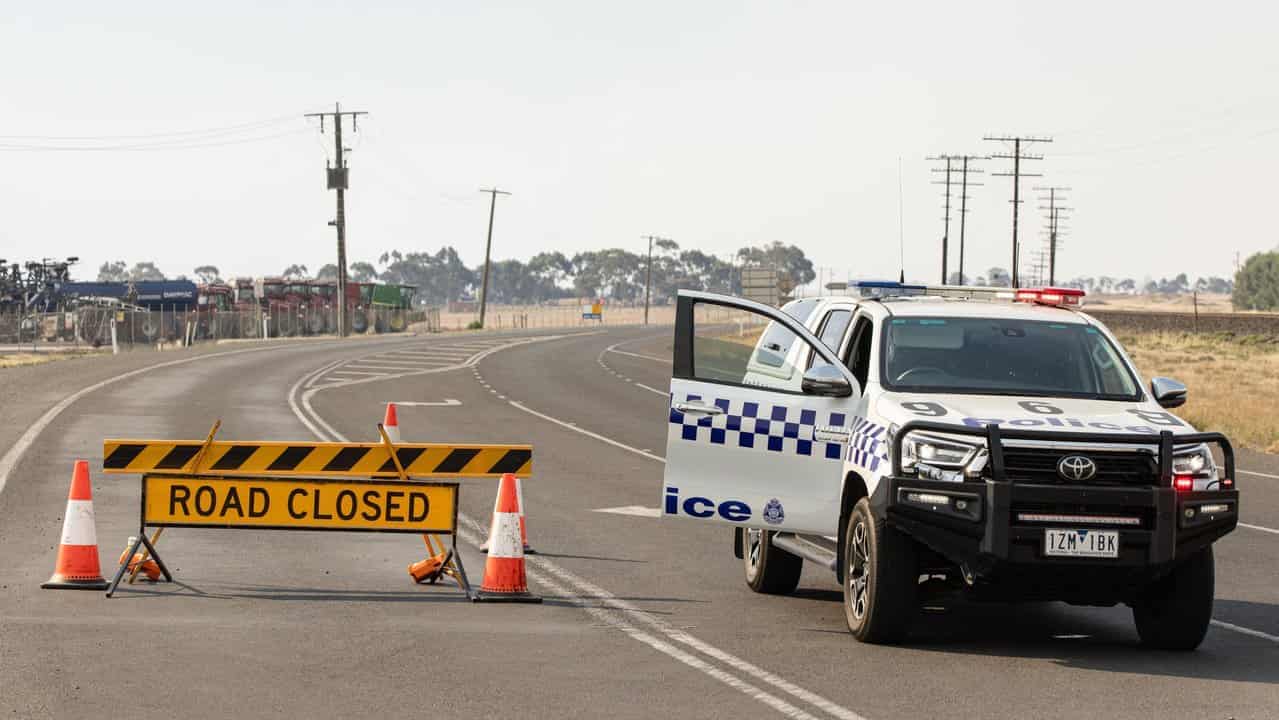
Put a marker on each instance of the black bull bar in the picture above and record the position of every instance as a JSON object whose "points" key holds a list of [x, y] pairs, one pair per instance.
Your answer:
{"points": [[985, 533]]}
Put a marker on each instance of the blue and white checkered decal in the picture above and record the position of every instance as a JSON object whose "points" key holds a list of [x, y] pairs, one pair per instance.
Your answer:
{"points": [[759, 426], [868, 445]]}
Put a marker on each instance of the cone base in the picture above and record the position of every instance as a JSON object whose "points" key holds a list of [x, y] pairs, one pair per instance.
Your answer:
{"points": [[522, 596], [58, 583]]}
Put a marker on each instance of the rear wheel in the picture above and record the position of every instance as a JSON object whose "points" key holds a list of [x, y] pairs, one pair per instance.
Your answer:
{"points": [[769, 569], [881, 578], [1173, 613]]}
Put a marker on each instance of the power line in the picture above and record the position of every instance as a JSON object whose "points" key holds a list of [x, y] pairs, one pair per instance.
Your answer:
{"points": [[191, 144], [338, 180], [488, 246], [1053, 228], [1016, 175], [223, 130]]}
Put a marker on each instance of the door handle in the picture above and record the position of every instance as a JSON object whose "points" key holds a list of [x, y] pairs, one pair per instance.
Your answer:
{"points": [[691, 407]]}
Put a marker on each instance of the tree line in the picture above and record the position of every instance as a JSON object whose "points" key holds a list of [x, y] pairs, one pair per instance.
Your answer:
{"points": [[614, 273]]}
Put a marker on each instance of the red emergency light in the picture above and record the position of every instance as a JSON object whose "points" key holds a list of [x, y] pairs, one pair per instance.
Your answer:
{"points": [[1055, 296]]}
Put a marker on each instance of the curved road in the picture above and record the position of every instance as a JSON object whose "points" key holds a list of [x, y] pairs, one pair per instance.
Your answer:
{"points": [[642, 616]]}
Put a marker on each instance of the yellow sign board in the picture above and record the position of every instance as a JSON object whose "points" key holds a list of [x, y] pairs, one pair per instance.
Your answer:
{"points": [[315, 458], [301, 504]]}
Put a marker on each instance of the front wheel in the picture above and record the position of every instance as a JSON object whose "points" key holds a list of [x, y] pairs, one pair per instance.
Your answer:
{"points": [[769, 569], [1173, 612], [881, 578]]}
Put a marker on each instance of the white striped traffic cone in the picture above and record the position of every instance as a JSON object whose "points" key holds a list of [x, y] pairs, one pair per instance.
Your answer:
{"points": [[519, 496], [391, 424], [505, 579], [78, 567]]}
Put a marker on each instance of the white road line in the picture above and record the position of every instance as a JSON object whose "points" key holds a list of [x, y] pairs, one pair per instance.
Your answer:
{"points": [[1258, 527], [11, 457], [446, 402], [1246, 631], [613, 349], [356, 372], [416, 366], [636, 510], [1258, 474], [663, 393], [588, 433], [620, 613]]}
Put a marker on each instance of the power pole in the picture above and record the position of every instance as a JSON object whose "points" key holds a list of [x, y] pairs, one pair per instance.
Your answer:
{"points": [[488, 247], [337, 180], [963, 205], [1016, 175], [1053, 227], [648, 276], [945, 237]]}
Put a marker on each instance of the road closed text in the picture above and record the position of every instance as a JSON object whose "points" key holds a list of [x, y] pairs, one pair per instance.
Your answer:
{"points": [[299, 504]]}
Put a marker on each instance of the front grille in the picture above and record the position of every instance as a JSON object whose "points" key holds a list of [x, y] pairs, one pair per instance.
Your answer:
{"points": [[1039, 465]]}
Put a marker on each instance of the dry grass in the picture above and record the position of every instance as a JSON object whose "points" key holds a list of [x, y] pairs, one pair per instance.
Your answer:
{"points": [[1208, 303], [504, 317], [8, 360], [1234, 382]]}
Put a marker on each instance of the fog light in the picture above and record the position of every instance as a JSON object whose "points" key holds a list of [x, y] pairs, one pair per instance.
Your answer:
{"points": [[1213, 509], [927, 498], [961, 504], [1190, 512]]}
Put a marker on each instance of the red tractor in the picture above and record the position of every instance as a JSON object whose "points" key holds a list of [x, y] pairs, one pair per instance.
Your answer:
{"points": [[213, 311]]}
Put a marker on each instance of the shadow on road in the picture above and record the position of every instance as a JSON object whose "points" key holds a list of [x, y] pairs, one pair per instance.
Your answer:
{"points": [[1102, 639]]}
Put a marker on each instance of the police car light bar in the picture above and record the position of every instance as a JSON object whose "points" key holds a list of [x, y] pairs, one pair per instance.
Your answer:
{"points": [[887, 288], [1059, 297]]}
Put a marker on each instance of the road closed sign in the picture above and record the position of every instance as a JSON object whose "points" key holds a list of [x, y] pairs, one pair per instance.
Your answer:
{"points": [[297, 504]]}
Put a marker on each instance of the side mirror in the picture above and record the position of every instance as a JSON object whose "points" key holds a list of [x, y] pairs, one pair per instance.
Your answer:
{"points": [[825, 380], [1168, 392]]}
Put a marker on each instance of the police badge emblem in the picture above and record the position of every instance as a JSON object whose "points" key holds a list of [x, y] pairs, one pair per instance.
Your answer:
{"points": [[773, 513]]}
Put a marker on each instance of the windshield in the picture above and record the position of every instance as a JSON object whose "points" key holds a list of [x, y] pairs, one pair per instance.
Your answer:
{"points": [[244, 294], [992, 356]]}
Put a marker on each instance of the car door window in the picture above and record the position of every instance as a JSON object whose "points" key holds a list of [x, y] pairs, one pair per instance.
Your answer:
{"points": [[832, 331], [741, 347], [858, 358]]}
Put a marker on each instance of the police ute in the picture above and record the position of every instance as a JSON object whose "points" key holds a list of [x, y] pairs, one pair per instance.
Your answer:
{"points": [[929, 444]]}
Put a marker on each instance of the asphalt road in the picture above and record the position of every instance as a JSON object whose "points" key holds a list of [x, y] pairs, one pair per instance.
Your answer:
{"points": [[643, 617]]}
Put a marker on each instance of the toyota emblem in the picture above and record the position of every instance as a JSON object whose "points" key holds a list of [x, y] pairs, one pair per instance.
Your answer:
{"points": [[1076, 467]]}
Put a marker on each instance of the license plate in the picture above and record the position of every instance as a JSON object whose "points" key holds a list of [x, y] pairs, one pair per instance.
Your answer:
{"points": [[1063, 542]]}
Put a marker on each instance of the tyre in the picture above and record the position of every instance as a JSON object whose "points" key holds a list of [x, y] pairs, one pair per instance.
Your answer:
{"points": [[1174, 611], [359, 323], [769, 569], [881, 578]]}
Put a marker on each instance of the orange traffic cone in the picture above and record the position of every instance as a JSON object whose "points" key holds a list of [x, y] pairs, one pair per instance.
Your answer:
{"points": [[78, 567], [519, 496], [149, 567], [504, 576], [391, 424]]}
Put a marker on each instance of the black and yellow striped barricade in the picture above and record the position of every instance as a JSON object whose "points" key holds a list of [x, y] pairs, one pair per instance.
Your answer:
{"points": [[351, 487]]}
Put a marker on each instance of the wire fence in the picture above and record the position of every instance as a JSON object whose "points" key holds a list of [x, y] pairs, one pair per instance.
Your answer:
{"points": [[95, 327]]}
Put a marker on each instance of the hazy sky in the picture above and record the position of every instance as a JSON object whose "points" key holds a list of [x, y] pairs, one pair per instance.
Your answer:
{"points": [[717, 124]]}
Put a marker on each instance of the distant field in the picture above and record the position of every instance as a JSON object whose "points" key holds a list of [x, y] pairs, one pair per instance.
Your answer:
{"points": [[1234, 382], [500, 317], [1208, 303]]}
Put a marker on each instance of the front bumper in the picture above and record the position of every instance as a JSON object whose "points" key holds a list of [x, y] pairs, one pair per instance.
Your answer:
{"points": [[995, 529]]}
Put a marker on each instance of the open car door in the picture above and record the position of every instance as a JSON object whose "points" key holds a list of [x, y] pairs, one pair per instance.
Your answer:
{"points": [[753, 439]]}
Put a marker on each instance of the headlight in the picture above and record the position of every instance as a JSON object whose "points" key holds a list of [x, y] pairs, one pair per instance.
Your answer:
{"points": [[1195, 462], [935, 458]]}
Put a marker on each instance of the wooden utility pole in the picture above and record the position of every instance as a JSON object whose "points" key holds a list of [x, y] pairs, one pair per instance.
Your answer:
{"points": [[963, 206], [488, 248], [1016, 175], [338, 181], [945, 237], [1053, 228]]}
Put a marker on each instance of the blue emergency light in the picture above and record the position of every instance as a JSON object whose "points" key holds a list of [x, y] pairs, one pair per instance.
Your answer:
{"points": [[887, 288]]}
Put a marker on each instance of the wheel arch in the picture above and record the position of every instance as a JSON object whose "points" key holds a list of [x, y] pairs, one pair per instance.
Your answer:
{"points": [[854, 490]]}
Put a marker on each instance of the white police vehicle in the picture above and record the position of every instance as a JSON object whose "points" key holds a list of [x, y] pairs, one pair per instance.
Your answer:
{"points": [[925, 443]]}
